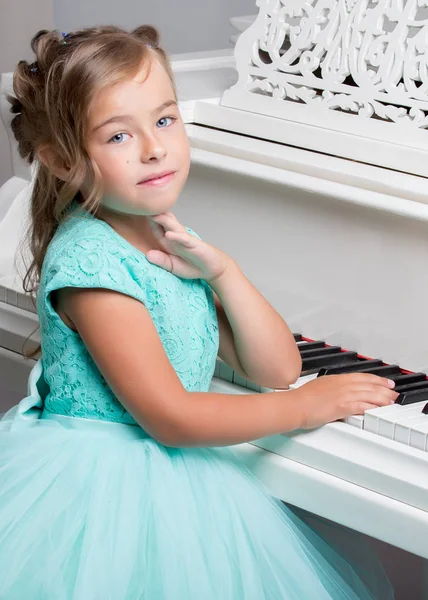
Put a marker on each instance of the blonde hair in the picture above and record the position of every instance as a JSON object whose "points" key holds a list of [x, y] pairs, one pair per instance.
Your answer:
{"points": [[51, 101]]}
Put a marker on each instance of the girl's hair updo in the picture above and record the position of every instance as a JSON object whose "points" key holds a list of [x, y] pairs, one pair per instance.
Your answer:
{"points": [[51, 102]]}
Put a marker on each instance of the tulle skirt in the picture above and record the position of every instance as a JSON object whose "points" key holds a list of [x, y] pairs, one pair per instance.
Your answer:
{"points": [[92, 510]]}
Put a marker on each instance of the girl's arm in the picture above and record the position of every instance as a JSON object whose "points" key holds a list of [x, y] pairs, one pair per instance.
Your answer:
{"points": [[123, 341], [254, 339]]}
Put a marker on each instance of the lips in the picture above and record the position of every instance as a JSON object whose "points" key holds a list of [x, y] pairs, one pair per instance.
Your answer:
{"points": [[156, 177]]}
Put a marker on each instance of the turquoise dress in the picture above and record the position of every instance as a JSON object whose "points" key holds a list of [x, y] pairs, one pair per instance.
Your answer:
{"points": [[93, 508]]}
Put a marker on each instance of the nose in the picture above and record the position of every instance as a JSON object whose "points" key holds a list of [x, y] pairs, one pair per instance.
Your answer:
{"points": [[152, 149]]}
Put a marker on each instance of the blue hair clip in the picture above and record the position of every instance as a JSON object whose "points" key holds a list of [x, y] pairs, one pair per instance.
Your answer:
{"points": [[64, 35], [34, 69]]}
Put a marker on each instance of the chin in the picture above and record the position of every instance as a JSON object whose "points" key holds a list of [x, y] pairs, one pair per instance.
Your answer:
{"points": [[150, 204]]}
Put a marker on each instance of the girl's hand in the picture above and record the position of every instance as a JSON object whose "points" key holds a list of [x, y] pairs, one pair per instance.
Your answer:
{"points": [[183, 254], [335, 397]]}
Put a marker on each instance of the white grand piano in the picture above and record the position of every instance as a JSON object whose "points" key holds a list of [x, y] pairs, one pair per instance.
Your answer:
{"points": [[309, 167]]}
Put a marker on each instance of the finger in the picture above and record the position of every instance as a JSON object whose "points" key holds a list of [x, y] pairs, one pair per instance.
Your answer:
{"points": [[378, 395], [173, 264], [167, 213], [169, 222], [373, 379], [383, 400], [157, 229], [161, 259], [360, 407], [378, 390], [185, 239], [155, 218], [374, 389], [158, 222]]}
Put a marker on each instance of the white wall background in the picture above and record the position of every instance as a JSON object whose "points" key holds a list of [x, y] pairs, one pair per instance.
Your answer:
{"points": [[19, 21], [185, 26]]}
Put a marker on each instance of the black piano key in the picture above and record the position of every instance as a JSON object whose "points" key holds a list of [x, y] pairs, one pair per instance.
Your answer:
{"points": [[412, 397], [351, 368], [425, 409], [419, 385], [330, 360], [384, 371], [319, 351], [311, 346], [405, 378], [339, 358]]}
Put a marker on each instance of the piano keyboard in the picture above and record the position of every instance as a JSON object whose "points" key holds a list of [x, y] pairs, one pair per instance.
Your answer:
{"points": [[11, 293], [18, 326], [377, 463], [404, 422]]}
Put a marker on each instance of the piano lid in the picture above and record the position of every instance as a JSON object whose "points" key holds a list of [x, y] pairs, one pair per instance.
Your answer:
{"points": [[342, 77]]}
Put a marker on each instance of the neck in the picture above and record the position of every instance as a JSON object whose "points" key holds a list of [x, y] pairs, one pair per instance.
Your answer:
{"points": [[134, 228]]}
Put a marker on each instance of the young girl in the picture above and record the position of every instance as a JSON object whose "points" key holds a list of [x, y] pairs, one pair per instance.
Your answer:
{"points": [[115, 479]]}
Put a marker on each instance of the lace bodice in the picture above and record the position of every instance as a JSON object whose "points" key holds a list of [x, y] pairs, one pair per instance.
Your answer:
{"points": [[86, 252]]}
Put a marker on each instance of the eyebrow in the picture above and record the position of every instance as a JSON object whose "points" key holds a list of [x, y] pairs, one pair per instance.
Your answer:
{"points": [[129, 118]]}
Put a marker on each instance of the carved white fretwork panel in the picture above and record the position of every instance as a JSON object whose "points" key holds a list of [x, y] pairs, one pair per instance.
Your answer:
{"points": [[351, 62]]}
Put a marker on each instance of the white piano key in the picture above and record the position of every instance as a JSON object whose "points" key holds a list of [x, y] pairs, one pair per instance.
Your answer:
{"points": [[22, 301], [302, 380], [371, 417], [239, 380], [220, 386], [254, 387], [31, 304], [226, 372], [403, 429], [355, 421], [388, 422], [217, 368], [419, 436], [12, 293], [11, 297]]}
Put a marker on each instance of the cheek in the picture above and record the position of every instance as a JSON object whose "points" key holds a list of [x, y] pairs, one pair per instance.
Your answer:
{"points": [[183, 148], [113, 167]]}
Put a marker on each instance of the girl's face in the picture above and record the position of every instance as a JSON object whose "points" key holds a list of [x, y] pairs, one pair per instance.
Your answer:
{"points": [[135, 136]]}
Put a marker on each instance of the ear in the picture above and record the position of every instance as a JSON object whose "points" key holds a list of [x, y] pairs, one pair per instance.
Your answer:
{"points": [[51, 160]]}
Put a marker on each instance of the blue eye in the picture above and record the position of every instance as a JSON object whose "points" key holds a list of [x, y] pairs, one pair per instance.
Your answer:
{"points": [[118, 138], [163, 119]]}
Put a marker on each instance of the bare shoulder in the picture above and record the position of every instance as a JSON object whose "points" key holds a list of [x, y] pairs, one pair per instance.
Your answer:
{"points": [[120, 335]]}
